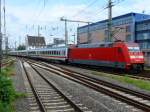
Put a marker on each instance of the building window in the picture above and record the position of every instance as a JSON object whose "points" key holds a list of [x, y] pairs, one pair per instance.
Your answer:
{"points": [[143, 36], [128, 38], [128, 28], [144, 45]]}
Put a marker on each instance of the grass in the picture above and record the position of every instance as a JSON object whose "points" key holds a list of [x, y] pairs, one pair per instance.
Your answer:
{"points": [[147, 68], [142, 84], [7, 92]]}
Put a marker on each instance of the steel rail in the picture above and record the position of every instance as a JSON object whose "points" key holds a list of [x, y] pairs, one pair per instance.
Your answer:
{"points": [[41, 105], [76, 108], [95, 86], [68, 71]]}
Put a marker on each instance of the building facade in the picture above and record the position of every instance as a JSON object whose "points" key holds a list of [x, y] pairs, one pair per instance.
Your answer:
{"points": [[143, 37], [33, 42], [131, 27]]}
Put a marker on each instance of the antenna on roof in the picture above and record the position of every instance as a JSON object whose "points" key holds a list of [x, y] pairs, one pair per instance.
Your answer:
{"points": [[143, 11]]}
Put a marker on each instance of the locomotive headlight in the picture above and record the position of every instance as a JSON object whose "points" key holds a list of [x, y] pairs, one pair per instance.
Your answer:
{"points": [[133, 57], [141, 57]]}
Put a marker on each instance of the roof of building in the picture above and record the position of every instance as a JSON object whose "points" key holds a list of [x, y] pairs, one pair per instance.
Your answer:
{"points": [[137, 16], [35, 41]]}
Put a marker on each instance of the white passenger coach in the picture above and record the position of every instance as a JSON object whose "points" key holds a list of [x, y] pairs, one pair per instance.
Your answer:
{"points": [[60, 53]]}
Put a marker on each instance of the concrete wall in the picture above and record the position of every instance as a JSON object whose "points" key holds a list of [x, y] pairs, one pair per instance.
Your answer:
{"points": [[101, 35]]}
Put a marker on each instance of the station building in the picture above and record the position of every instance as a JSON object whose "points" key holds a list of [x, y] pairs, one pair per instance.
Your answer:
{"points": [[131, 27]]}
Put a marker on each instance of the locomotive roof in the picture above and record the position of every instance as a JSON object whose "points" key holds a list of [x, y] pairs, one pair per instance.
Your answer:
{"points": [[105, 44]]}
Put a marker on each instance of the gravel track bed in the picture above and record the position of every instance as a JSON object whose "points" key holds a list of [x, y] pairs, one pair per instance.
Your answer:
{"points": [[95, 101], [21, 105], [89, 73]]}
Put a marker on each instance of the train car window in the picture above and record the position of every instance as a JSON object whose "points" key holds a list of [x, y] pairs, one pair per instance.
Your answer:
{"points": [[119, 50], [133, 49]]}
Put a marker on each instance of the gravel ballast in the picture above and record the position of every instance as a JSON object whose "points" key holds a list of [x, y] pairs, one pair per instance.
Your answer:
{"points": [[21, 105], [90, 73], [95, 101]]}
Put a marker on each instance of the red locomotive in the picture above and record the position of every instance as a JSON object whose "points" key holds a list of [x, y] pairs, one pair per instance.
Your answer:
{"points": [[121, 55], [118, 55]]}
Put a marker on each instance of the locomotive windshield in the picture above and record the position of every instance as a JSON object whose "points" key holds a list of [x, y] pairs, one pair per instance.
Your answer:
{"points": [[134, 49]]}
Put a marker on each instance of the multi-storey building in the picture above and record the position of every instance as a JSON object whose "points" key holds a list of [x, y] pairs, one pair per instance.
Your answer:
{"points": [[143, 37], [131, 27]]}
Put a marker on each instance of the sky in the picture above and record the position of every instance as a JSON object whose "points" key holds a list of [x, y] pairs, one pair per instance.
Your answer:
{"points": [[24, 16]]}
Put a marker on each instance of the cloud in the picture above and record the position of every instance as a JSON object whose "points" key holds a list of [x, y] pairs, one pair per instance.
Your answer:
{"points": [[20, 16]]}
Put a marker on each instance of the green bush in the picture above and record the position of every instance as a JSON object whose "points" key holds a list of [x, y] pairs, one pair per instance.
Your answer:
{"points": [[7, 91]]}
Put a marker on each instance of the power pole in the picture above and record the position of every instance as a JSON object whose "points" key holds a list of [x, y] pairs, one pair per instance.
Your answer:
{"points": [[1, 52], [110, 5], [66, 31], [15, 45], [74, 40], [78, 35], [38, 30], [5, 36]]}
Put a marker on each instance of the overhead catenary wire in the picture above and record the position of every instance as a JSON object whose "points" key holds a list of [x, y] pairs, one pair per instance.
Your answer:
{"points": [[37, 14], [82, 10]]}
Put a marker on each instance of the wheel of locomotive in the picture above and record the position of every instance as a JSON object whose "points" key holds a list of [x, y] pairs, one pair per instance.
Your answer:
{"points": [[140, 68], [136, 68]]}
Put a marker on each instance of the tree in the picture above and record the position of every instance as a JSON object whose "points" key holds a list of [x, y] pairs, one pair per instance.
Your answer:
{"points": [[21, 47]]}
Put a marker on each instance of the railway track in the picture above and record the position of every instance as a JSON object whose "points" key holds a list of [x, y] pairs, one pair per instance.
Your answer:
{"points": [[134, 98], [141, 76], [6, 63], [46, 97]]}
